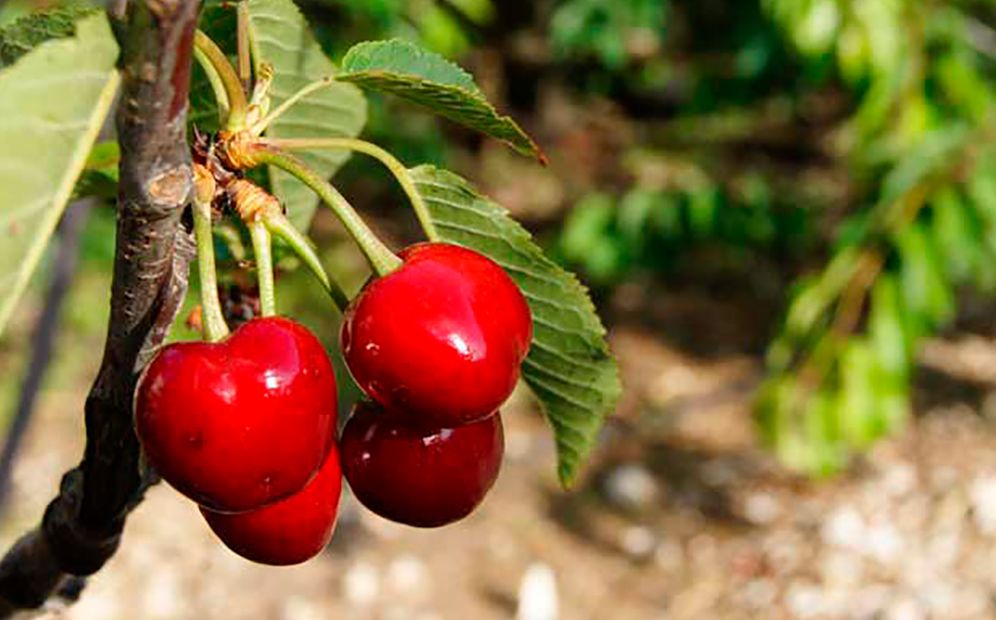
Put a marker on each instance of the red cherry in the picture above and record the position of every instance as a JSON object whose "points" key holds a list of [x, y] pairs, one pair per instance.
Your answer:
{"points": [[424, 478], [441, 338], [241, 423], [290, 531]]}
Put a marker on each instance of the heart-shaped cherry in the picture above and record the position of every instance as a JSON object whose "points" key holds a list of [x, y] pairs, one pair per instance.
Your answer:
{"points": [[239, 424], [419, 477], [441, 338], [290, 531]]}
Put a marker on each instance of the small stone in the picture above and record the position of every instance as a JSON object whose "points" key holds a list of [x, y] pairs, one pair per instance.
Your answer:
{"points": [[762, 508], [805, 600], [638, 541], [844, 528], [406, 574], [631, 487], [361, 583], [298, 608], [538, 594], [883, 543], [899, 479], [982, 494], [905, 608]]}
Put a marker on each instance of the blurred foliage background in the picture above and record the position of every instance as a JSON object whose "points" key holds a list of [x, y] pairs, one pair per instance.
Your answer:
{"points": [[833, 161], [836, 155]]}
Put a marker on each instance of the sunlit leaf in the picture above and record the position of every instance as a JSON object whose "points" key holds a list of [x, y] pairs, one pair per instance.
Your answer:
{"points": [[408, 71], [53, 101]]}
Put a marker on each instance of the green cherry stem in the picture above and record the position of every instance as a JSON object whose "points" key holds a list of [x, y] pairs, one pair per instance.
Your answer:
{"points": [[279, 226], [396, 168], [213, 320], [379, 255], [264, 266], [237, 105], [217, 86], [242, 43]]}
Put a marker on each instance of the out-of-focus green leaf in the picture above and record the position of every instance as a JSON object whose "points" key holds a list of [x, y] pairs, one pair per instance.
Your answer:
{"points": [[100, 174], [53, 101], [958, 234], [857, 410], [927, 293]]}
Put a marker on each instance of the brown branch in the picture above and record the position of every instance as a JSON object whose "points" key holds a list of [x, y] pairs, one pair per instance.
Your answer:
{"points": [[81, 527]]}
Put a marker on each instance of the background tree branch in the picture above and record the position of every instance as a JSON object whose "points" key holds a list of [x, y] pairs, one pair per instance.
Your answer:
{"points": [[81, 527]]}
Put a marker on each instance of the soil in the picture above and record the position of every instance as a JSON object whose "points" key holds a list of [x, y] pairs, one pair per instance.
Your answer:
{"points": [[680, 515]]}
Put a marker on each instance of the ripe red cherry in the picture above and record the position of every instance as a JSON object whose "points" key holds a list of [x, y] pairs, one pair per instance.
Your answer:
{"points": [[424, 478], [441, 338], [290, 531], [241, 423]]}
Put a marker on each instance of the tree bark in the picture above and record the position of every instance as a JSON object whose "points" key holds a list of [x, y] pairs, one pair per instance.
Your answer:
{"points": [[82, 526]]}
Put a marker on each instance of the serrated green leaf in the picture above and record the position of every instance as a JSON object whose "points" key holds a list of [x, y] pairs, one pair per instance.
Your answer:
{"points": [[569, 367], [30, 31], [53, 102], [280, 36], [404, 69]]}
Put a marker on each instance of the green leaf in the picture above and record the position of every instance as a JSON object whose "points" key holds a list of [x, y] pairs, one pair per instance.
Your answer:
{"points": [[30, 31], [857, 409], [280, 36], [100, 174], [927, 293], [569, 367], [53, 101], [426, 78]]}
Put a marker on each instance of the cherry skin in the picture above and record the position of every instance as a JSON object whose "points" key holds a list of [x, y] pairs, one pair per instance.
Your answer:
{"points": [[290, 531], [441, 337], [416, 476], [241, 423]]}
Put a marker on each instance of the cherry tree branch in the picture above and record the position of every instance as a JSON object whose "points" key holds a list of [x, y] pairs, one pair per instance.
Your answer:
{"points": [[82, 526]]}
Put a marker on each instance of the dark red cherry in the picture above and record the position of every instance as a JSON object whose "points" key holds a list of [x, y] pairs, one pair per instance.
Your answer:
{"points": [[424, 478], [239, 424], [290, 531], [440, 338]]}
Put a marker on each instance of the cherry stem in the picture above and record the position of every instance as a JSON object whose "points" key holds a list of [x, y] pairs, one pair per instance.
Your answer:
{"points": [[242, 40], [217, 85], [396, 168], [212, 319], [279, 226], [379, 255], [259, 127], [238, 106], [264, 266]]}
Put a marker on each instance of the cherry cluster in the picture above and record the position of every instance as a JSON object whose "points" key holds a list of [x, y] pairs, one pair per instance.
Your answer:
{"points": [[246, 427], [437, 346]]}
